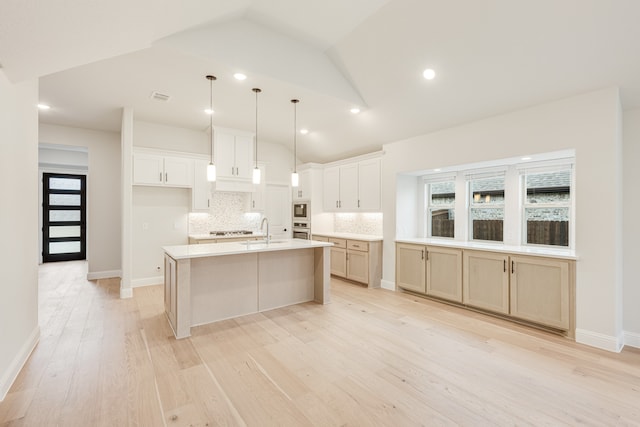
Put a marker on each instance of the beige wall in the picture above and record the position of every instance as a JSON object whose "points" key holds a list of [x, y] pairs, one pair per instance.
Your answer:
{"points": [[103, 194], [590, 124], [18, 226]]}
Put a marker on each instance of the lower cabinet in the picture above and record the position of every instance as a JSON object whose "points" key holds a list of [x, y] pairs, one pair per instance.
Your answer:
{"points": [[486, 281], [357, 260], [531, 288], [431, 270]]}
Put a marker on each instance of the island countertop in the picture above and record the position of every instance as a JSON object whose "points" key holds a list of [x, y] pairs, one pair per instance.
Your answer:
{"points": [[237, 248]]}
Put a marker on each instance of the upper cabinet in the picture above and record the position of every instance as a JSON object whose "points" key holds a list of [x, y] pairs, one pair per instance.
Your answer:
{"points": [[201, 194], [233, 155], [159, 169], [303, 190], [352, 187]]}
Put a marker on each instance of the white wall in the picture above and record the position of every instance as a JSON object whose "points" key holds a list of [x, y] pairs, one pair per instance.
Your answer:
{"points": [[589, 124], [631, 292], [103, 194], [18, 226]]}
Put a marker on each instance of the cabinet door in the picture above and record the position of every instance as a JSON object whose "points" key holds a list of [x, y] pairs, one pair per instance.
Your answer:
{"points": [[201, 187], [540, 290], [444, 273], [331, 190], [339, 262], [177, 172], [486, 281], [369, 185], [358, 266], [303, 190], [244, 162], [148, 169], [410, 267], [349, 188], [224, 155]]}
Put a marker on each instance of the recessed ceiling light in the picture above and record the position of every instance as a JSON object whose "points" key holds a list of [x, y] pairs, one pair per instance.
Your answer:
{"points": [[437, 170], [355, 110], [43, 106], [240, 76], [304, 131], [208, 111], [429, 74], [525, 158]]}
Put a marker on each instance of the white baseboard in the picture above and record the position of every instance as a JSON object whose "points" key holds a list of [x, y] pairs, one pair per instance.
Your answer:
{"points": [[598, 340], [11, 374], [125, 292], [632, 339], [147, 281], [388, 284], [104, 274]]}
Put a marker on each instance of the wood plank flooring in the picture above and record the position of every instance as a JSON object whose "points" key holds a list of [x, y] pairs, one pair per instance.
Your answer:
{"points": [[370, 358]]}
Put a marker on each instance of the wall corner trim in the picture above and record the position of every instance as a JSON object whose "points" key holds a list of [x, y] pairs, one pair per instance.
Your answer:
{"points": [[388, 284], [632, 339], [126, 293], [598, 340], [7, 379], [147, 281]]}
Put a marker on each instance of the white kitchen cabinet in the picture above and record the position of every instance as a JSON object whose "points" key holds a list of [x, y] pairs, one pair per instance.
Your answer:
{"points": [[233, 155], [157, 169], [201, 191], [540, 290], [303, 190], [352, 187], [486, 281]]}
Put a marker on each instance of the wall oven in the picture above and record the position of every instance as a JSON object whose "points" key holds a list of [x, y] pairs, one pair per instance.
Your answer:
{"points": [[301, 230], [301, 211]]}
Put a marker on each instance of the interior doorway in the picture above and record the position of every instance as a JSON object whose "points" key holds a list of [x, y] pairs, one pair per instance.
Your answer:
{"points": [[64, 215]]}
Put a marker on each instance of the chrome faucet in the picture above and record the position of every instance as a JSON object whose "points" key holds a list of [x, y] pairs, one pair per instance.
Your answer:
{"points": [[264, 219]]}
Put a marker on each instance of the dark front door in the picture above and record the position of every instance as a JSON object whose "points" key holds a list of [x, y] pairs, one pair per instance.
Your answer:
{"points": [[64, 215]]}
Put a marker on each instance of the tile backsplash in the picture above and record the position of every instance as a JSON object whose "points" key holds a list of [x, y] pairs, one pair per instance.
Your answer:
{"points": [[228, 211], [358, 223]]}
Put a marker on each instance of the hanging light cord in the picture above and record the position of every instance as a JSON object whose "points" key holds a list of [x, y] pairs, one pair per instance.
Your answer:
{"points": [[295, 127], [257, 91], [211, 79]]}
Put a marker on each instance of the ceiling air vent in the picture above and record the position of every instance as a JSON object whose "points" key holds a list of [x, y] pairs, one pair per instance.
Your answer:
{"points": [[159, 96]]}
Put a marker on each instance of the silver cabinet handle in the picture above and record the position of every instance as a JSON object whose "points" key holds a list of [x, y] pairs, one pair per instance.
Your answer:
{"points": [[358, 202], [166, 177], [427, 253], [422, 254], [512, 267], [160, 176], [504, 265], [336, 203]]}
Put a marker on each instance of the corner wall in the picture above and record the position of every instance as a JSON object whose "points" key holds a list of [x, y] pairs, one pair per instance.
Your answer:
{"points": [[18, 226], [103, 194], [590, 124]]}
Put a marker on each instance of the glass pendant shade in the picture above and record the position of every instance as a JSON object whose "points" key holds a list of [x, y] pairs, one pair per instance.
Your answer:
{"points": [[295, 179], [256, 175], [211, 172]]}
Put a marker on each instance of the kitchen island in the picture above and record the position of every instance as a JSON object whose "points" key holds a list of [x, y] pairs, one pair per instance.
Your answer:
{"points": [[206, 283]]}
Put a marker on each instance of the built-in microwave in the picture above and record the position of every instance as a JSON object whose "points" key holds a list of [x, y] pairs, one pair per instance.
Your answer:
{"points": [[301, 211]]}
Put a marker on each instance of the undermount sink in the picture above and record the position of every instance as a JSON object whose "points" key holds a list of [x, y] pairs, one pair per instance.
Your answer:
{"points": [[260, 242]]}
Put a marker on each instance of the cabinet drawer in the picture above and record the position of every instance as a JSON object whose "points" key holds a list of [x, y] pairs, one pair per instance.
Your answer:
{"points": [[320, 238], [357, 245], [339, 243]]}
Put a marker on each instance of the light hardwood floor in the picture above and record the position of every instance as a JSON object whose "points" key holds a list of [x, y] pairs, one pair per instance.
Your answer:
{"points": [[371, 358]]}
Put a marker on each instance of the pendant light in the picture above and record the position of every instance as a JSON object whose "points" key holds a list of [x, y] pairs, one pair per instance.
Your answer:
{"points": [[211, 168], [295, 179], [256, 170]]}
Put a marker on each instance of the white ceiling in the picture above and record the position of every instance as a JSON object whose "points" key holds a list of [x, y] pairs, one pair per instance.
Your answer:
{"points": [[491, 57]]}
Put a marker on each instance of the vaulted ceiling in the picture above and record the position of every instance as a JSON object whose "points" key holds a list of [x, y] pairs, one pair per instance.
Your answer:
{"points": [[490, 56]]}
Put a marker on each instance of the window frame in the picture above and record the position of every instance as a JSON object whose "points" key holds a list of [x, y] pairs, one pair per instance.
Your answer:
{"points": [[428, 181], [540, 168]]}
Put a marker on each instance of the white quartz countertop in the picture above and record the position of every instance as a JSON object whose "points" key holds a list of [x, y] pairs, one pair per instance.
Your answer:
{"points": [[492, 247], [352, 236], [236, 248], [208, 236]]}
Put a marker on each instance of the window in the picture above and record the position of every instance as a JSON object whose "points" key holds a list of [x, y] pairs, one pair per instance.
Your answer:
{"points": [[547, 206], [486, 206], [441, 199]]}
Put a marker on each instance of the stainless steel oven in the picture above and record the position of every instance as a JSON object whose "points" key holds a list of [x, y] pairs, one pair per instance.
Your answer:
{"points": [[301, 230], [301, 211]]}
